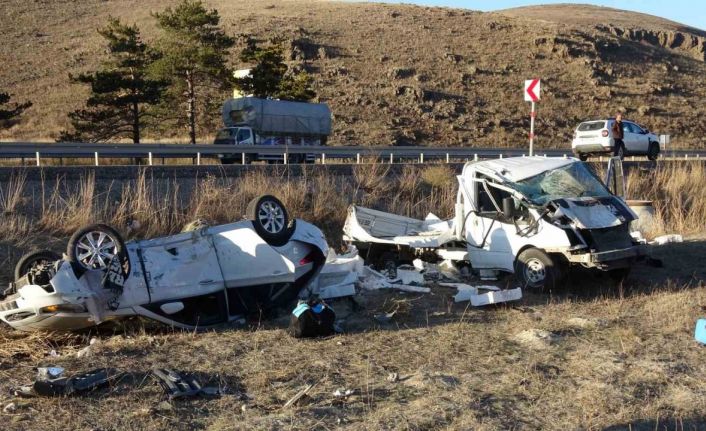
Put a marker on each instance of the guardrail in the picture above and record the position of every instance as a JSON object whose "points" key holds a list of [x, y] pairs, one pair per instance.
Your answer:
{"points": [[38, 151]]}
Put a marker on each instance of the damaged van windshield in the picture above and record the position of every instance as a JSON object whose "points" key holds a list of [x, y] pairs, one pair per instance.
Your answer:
{"points": [[572, 181]]}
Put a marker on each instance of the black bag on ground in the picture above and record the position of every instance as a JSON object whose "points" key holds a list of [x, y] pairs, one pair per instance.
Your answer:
{"points": [[312, 319]]}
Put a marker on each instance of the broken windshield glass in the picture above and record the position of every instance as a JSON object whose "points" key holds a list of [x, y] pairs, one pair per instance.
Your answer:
{"points": [[572, 181]]}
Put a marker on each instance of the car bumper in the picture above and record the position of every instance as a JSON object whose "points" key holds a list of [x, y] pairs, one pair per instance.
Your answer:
{"points": [[609, 259], [593, 149]]}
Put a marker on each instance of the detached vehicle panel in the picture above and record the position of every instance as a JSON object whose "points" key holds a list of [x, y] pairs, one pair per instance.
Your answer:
{"points": [[204, 277], [533, 216]]}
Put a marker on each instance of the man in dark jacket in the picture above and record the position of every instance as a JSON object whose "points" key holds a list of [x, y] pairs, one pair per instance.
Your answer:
{"points": [[617, 130]]}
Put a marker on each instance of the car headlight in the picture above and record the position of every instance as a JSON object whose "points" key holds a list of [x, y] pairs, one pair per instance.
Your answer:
{"points": [[68, 308]]}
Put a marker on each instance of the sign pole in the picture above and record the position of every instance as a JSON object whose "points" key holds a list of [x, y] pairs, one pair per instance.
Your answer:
{"points": [[533, 114], [532, 88]]}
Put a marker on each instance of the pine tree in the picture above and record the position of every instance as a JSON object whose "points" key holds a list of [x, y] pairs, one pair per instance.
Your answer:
{"points": [[270, 77], [194, 50], [120, 92], [8, 112]]}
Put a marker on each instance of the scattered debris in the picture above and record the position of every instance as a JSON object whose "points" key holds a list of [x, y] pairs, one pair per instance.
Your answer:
{"points": [[299, 395], [666, 239], [537, 338], [48, 373], [374, 280], [342, 392], [88, 350], [393, 377], [178, 386], [494, 295], [385, 318], [10, 408], [700, 331], [49, 386]]}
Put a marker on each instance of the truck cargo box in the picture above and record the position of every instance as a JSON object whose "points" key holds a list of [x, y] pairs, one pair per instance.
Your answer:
{"points": [[280, 117]]}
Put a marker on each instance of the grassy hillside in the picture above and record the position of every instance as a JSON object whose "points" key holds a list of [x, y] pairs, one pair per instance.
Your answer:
{"points": [[400, 74]]}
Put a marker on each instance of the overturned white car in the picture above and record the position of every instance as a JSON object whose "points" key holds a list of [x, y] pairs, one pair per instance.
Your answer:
{"points": [[532, 216], [199, 278]]}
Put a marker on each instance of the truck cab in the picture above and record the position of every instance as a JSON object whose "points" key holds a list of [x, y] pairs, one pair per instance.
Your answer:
{"points": [[235, 136]]}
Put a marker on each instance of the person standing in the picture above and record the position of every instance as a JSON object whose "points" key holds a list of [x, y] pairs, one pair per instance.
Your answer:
{"points": [[617, 129]]}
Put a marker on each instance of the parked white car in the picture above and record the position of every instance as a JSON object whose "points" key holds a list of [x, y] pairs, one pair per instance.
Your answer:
{"points": [[199, 278], [531, 216], [596, 138]]}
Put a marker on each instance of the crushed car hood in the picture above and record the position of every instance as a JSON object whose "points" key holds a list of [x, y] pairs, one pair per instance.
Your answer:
{"points": [[594, 213]]}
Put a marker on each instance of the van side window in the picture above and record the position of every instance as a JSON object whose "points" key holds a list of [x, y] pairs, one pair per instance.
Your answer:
{"points": [[485, 203]]}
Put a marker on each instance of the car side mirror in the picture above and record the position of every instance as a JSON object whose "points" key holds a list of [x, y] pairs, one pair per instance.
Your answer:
{"points": [[509, 208]]}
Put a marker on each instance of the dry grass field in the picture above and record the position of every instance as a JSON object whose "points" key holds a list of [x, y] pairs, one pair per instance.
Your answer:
{"points": [[616, 357], [401, 74]]}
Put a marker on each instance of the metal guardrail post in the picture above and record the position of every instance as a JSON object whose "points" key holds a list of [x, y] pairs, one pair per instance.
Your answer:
{"points": [[198, 159], [357, 158], [475, 157], [242, 158], [37, 157], [95, 155], [447, 157], [286, 158], [323, 158], [149, 155], [391, 159]]}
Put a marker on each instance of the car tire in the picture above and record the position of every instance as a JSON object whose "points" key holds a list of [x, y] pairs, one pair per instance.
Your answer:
{"points": [[653, 151], [620, 151], [270, 220], [32, 259], [535, 269], [583, 157], [92, 247]]}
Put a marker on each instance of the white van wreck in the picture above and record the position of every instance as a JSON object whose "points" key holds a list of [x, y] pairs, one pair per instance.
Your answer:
{"points": [[532, 216]]}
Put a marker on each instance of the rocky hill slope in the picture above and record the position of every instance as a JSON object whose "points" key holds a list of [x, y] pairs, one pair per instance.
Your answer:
{"points": [[400, 74]]}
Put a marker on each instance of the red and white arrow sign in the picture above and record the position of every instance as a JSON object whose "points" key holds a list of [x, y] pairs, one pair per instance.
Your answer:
{"points": [[532, 90]]}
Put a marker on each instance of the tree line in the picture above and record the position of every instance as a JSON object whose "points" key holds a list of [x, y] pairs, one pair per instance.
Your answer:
{"points": [[178, 80]]}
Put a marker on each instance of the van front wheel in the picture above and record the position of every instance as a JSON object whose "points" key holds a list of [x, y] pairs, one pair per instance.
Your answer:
{"points": [[535, 269]]}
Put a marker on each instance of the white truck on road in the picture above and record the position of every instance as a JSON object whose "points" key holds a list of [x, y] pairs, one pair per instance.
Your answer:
{"points": [[531, 216]]}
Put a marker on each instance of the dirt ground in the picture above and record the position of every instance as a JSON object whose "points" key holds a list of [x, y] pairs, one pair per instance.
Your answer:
{"points": [[591, 355]]}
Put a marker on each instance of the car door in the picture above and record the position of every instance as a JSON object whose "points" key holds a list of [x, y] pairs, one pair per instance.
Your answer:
{"points": [[244, 137], [642, 139], [180, 266], [486, 229], [629, 139]]}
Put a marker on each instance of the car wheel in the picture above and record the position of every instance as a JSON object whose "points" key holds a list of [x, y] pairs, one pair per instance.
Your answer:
{"points": [[620, 151], [653, 152], [583, 157], [270, 220], [94, 246], [535, 269], [32, 260]]}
